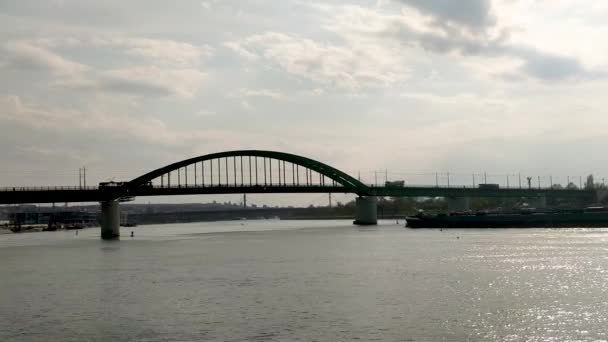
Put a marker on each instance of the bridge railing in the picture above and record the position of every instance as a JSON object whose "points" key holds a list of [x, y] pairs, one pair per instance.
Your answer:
{"points": [[177, 186], [46, 188], [456, 186], [275, 184], [372, 186]]}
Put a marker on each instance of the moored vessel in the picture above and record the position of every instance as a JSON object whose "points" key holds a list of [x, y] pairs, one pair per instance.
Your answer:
{"points": [[587, 217]]}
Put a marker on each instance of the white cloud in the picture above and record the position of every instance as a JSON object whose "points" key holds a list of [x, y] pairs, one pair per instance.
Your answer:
{"points": [[349, 67], [208, 4], [151, 80], [237, 47], [561, 27], [95, 121], [171, 68], [383, 32], [26, 56], [160, 52], [164, 52], [269, 93]]}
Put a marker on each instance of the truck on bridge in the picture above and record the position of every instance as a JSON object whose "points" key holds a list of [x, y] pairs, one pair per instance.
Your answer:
{"points": [[489, 186]]}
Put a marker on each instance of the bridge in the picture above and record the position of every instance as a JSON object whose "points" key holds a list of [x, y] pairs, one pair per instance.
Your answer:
{"points": [[256, 171]]}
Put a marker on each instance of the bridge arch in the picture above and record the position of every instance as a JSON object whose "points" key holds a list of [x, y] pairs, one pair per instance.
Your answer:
{"points": [[241, 160]]}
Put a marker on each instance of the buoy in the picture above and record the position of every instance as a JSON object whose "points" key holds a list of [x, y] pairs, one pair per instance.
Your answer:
{"points": [[131, 233]]}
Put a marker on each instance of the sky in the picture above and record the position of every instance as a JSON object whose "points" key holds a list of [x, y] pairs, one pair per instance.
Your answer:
{"points": [[409, 86]]}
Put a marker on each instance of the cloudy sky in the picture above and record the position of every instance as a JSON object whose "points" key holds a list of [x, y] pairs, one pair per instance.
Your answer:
{"points": [[412, 86]]}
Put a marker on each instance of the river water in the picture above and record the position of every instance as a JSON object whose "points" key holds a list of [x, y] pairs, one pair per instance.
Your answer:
{"points": [[304, 281]]}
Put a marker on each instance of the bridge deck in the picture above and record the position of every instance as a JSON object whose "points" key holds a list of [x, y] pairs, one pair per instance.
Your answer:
{"points": [[95, 194]]}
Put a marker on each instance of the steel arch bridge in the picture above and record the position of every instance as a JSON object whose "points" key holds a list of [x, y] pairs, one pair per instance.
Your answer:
{"points": [[256, 171], [245, 171]]}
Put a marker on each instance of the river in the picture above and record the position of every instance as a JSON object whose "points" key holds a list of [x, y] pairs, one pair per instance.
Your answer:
{"points": [[304, 281]]}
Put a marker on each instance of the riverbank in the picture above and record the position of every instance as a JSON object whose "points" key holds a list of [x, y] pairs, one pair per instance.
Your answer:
{"points": [[6, 229]]}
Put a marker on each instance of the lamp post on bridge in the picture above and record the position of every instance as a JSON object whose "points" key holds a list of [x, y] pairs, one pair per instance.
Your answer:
{"points": [[519, 177], [82, 177]]}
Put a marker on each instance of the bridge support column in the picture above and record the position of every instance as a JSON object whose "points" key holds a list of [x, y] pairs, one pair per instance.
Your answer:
{"points": [[539, 202], [459, 204], [366, 211], [600, 195], [110, 220]]}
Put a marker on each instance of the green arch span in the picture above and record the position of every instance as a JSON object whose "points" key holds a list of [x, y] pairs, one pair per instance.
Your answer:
{"points": [[351, 184]]}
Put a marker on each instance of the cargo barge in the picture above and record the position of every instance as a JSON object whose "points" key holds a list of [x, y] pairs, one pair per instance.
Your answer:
{"points": [[588, 217]]}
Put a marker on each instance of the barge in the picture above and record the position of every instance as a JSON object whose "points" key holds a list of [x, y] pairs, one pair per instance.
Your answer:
{"points": [[566, 218]]}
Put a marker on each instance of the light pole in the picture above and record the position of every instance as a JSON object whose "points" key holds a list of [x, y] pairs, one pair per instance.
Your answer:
{"points": [[519, 175]]}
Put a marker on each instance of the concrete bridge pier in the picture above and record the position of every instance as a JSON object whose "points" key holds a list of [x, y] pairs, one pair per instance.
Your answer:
{"points": [[459, 204], [110, 220], [366, 211], [600, 195], [539, 202]]}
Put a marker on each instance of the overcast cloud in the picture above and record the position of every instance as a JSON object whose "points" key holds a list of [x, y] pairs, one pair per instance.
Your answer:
{"points": [[412, 86]]}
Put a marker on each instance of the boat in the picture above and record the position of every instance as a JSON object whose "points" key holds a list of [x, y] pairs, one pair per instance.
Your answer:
{"points": [[524, 218], [53, 226], [75, 225]]}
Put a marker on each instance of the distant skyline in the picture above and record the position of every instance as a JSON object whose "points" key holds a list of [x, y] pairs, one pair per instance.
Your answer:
{"points": [[412, 86]]}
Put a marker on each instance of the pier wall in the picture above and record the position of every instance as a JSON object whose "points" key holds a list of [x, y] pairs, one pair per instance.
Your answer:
{"points": [[366, 210], [110, 220]]}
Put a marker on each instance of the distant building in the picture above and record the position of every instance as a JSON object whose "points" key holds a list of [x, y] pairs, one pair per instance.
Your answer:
{"points": [[65, 217]]}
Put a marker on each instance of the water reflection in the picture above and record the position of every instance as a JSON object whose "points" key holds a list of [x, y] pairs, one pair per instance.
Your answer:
{"points": [[306, 280]]}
